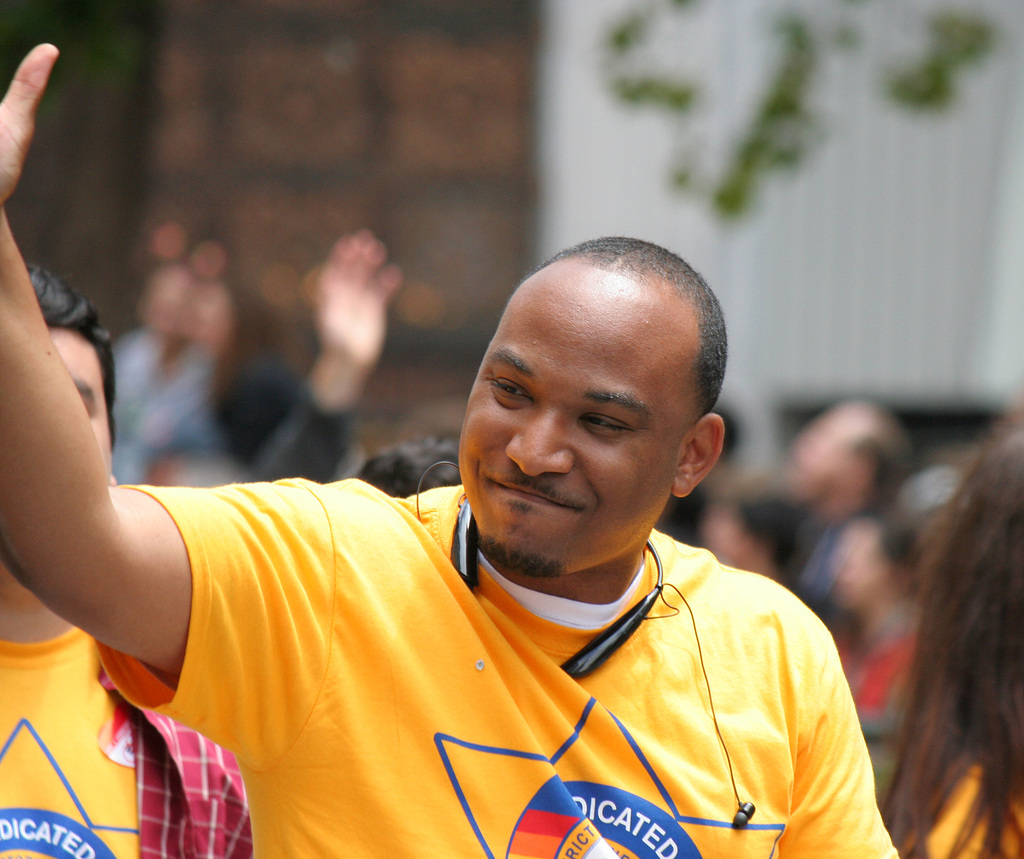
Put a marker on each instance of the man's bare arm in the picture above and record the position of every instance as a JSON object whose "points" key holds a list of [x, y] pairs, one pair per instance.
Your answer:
{"points": [[109, 560]]}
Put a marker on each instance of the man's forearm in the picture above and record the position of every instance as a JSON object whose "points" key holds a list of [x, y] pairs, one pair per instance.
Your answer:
{"points": [[111, 562]]}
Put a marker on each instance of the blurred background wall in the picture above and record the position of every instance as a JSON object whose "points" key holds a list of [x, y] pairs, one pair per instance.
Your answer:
{"points": [[478, 136]]}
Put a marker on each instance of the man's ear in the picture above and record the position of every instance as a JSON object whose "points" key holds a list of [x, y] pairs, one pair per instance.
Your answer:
{"points": [[698, 452]]}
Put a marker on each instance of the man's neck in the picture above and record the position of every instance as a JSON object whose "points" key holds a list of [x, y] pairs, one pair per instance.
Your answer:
{"points": [[23, 618], [563, 610], [600, 587]]}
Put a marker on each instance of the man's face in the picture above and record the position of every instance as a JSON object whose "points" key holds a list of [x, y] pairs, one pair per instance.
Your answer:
{"points": [[575, 424], [83, 364]]}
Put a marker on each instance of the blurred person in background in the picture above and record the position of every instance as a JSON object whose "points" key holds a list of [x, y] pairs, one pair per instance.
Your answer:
{"points": [[957, 790], [88, 774], [848, 461], [262, 420], [752, 530], [163, 408], [276, 423], [875, 625]]}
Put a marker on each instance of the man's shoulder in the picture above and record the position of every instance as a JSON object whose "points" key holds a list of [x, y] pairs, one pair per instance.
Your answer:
{"points": [[442, 501], [434, 509], [738, 596]]}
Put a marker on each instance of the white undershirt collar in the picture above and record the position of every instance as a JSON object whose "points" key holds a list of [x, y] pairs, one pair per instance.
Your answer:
{"points": [[563, 611]]}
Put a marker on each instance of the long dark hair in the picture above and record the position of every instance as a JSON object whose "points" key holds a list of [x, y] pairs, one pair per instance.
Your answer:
{"points": [[965, 708]]}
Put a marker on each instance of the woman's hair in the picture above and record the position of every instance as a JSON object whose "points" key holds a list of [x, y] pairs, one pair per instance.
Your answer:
{"points": [[965, 707]]}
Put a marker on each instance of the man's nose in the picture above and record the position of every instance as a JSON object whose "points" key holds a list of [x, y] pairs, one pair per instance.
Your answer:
{"points": [[541, 445]]}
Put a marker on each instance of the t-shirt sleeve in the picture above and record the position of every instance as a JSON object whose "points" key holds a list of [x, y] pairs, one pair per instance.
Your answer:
{"points": [[263, 575], [834, 805]]}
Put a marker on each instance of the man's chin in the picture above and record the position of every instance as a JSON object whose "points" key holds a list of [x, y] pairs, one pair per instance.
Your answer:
{"points": [[509, 559]]}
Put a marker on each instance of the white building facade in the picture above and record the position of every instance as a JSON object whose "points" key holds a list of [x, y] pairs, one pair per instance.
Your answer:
{"points": [[889, 264]]}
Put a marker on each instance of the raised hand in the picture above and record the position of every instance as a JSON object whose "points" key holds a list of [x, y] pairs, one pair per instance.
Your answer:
{"points": [[355, 287], [18, 114]]}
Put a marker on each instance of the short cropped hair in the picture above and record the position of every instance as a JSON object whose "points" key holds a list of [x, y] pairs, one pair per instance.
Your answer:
{"points": [[64, 306], [643, 258]]}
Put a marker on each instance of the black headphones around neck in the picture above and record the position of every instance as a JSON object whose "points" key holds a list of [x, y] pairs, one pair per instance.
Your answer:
{"points": [[603, 645], [464, 558]]}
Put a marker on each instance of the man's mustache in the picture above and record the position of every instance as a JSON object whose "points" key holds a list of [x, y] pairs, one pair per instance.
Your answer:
{"points": [[540, 487]]}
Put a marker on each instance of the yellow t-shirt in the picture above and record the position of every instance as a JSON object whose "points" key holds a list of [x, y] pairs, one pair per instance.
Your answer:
{"points": [[378, 707], [67, 782]]}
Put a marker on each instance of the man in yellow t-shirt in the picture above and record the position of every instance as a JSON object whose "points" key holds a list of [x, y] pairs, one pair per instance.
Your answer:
{"points": [[526, 671]]}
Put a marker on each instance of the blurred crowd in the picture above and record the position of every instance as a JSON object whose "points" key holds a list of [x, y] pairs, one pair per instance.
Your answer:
{"points": [[207, 393], [914, 560]]}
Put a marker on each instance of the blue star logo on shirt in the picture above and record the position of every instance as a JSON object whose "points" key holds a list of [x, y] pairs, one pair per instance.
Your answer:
{"points": [[39, 832], [579, 818]]}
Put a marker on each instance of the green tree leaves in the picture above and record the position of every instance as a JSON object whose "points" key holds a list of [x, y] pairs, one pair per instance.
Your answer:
{"points": [[784, 126]]}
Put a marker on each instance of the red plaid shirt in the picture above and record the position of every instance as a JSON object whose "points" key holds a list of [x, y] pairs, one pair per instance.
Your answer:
{"points": [[190, 793]]}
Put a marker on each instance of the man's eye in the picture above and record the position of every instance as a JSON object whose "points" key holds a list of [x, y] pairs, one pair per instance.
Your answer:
{"points": [[505, 387], [603, 424]]}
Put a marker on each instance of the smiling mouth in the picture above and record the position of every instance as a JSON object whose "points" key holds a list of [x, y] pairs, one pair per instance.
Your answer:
{"points": [[530, 493]]}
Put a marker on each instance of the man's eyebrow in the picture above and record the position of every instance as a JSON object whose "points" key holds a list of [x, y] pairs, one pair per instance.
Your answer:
{"points": [[507, 356], [620, 398]]}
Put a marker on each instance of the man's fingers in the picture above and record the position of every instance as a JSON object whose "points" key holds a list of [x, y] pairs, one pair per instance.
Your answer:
{"points": [[18, 112], [29, 84], [34, 70], [358, 263]]}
